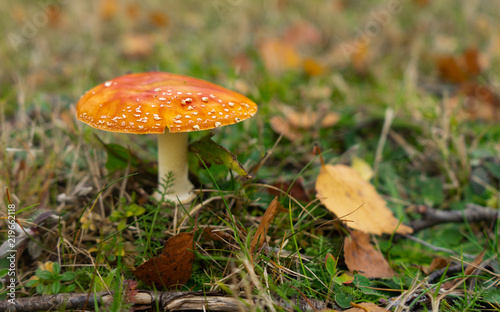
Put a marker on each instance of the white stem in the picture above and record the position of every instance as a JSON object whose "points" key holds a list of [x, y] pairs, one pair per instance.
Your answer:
{"points": [[172, 157]]}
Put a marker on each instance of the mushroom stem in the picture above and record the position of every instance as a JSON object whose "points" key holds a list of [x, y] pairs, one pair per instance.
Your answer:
{"points": [[172, 157]]}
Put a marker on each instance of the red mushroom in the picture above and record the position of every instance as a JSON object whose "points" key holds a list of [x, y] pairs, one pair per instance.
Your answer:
{"points": [[166, 104]]}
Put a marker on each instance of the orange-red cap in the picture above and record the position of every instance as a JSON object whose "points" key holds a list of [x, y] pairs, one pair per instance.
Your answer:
{"points": [[150, 102]]}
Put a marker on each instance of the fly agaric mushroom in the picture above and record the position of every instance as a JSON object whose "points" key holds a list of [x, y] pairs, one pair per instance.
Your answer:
{"points": [[166, 104]]}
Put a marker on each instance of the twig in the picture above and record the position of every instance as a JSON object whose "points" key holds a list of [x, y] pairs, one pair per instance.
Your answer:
{"points": [[437, 248], [147, 300], [471, 213], [389, 117]]}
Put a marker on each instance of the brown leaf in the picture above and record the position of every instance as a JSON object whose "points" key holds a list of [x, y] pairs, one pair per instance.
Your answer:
{"points": [[366, 307], [159, 19], [174, 266], [279, 56], [307, 120], [480, 102], [436, 264], [460, 68], [136, 45], [342, 190], [265, 223], [280, 126], [297, 190], [474, 264], [303, 34], [108, 9], [215, 235], [449, 70], [362, 257]]}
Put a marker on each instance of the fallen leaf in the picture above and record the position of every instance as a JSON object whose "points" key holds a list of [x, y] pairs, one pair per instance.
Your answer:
{"points": [[307, 120], [159, 19], [363, 168], [459, 68], [366, 307], [280, 126], [480, 102], [108, 9], [303, 34], [268, 218], [218, 235], [279, 56], [344, 192], [174, 266], [297, 190], [136, 45], [449, 70], [313, 68], [362, 257], [436, 264], [212, 152]]}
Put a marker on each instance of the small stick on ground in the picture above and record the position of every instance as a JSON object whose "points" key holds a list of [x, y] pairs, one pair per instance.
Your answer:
{"points": [[147, 300], [471, 213]]}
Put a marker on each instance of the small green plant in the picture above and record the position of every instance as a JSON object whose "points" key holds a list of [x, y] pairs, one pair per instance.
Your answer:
{"points": [[337, 276], [126, 211], [48, 279]]}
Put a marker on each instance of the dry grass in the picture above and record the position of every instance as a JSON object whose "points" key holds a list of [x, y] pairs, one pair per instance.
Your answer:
{"points": [[48, 158]]}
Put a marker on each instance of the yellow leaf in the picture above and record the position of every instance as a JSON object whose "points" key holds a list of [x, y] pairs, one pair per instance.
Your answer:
{"points": [[363, 168], [342, 190]]}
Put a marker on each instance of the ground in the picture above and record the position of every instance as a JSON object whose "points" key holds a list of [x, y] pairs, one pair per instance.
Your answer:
{"points": [[403, 92]]}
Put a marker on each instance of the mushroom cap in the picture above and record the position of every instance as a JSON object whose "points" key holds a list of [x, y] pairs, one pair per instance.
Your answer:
{"points": [[152, 101]]}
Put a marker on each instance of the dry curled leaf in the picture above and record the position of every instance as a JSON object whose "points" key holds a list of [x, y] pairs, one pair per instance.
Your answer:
{"points": [[265, 223], [344, 192], [460, 68], [280, 126], [296, 190], [307, 120], [174, 266], [362, 257], [279, 56], [366, 307]]}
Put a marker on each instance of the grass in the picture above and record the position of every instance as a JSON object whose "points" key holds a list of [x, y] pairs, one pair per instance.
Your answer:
{"points": [[96, 209]]}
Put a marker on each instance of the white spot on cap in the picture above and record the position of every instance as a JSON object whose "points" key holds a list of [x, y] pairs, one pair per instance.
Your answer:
{"points": [[188, 100], [237, 119], [204, 99], [108, 83], [179, 92], [217, 124], [157, 89], [231, 104], [187, 116], [162, 99], [196, 127], [177, 121], [190, 107], [213, 96], [199, 119]]}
